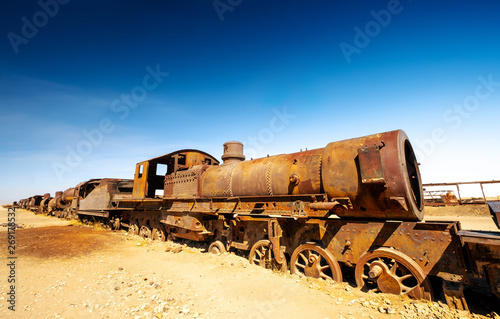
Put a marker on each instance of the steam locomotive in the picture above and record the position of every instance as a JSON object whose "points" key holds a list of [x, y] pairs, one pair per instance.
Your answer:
{"points": [[356, 203]]}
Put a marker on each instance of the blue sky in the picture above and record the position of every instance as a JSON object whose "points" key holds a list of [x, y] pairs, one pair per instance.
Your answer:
{"points": [[88, 89]]}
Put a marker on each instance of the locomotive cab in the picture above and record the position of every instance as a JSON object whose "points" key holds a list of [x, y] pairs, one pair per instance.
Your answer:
{"points": [[159, 176]]}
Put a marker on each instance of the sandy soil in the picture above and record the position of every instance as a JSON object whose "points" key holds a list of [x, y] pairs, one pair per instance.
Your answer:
{"points": [[25, 219], [75, 271], [471, 217]]}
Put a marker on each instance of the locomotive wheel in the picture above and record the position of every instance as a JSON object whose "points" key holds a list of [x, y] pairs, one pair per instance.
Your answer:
{"points": [[315, 261], [262, 255], [390, 271], [217, 248], [115, 223], [145, 232], [159, 233], [133, 228]]}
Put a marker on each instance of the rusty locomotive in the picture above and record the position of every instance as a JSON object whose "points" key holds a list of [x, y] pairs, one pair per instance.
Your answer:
{"points": [[356, 203]]}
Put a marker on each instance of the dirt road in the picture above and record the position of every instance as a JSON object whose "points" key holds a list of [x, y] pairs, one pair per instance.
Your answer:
{"points": [[75, 271]]}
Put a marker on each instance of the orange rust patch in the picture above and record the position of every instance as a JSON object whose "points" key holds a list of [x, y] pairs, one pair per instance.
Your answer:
{"points": [[61, 241]]}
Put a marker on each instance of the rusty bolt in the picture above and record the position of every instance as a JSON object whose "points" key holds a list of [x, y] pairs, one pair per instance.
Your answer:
{"points": [[375, 272], [295, 179]]}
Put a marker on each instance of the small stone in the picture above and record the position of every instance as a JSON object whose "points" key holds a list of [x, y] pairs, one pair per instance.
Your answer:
{"points": [[120, 268], [365, 304], [159, 315], [117, 288], [381, 309], [177, 250]]}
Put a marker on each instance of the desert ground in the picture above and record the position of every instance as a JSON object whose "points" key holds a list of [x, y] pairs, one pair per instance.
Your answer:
{"points": [[68, 270]]}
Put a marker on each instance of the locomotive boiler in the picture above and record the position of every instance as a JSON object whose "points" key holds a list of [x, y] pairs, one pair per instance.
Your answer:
{"points": [[370, 177]]}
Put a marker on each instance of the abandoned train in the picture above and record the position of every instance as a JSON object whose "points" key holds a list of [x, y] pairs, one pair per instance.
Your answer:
{"points": [[357, 203]]}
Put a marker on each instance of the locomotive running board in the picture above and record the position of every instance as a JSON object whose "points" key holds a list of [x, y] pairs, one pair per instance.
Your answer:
{"points": [[94, 213]]}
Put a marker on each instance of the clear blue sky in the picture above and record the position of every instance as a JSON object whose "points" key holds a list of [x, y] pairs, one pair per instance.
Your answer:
{"points": [[89, 88]]}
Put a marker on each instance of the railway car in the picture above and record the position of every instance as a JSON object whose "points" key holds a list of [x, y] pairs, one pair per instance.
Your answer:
{"points": [[44, 203], [97, 200], [61, 203], [34, 203]]}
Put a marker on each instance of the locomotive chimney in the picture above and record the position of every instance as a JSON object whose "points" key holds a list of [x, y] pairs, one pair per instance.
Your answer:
{"points": [[233, 152]]}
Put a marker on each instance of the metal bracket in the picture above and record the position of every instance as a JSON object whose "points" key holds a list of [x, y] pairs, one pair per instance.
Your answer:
{"points": [[370, 164], [275, 232], [454, 295], [298, 209]]}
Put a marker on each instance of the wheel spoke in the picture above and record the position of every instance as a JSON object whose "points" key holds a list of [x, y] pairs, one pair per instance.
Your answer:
{"points": [[403, 278], [394, 268], [300, 265], [407, 289], [322, 275], [304, 257], [324, 267]]}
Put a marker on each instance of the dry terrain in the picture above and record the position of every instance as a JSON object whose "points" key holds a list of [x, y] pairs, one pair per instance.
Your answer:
{"points": [[66, 270]]}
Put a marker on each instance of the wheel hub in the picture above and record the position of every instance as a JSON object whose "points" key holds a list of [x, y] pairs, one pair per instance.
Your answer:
{"points": [[386, 281], [312, 268]]}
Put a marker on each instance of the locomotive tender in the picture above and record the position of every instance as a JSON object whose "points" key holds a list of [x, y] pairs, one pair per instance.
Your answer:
{"points": [[357, 203]]}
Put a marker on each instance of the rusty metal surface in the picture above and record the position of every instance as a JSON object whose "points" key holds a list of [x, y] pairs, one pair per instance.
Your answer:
{"points": [[251, 178], [147, 181], [435, 247], [233, 152], [64, 201], [297, 173], [390, 271], [216, 181], [44, 204], [185, 183], [392, 188], [99, 197], [494, 207], [34, 203], [483, 254]]}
